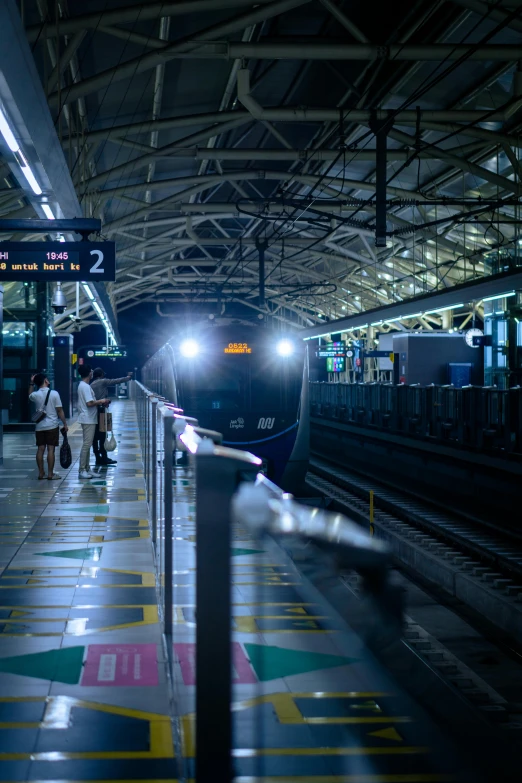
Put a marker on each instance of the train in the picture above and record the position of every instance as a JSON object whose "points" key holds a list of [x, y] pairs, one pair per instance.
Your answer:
{"points": [[249, 383]]}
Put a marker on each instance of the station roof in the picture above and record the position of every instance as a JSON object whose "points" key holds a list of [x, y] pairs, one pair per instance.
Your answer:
{"points": [[196, 129]]}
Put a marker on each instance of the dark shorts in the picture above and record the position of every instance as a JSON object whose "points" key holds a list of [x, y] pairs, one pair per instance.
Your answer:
{"points": [[48, 437]]}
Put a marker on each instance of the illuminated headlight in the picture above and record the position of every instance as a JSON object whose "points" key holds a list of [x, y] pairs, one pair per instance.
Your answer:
{"points": [[285, 348], [189, 349]]}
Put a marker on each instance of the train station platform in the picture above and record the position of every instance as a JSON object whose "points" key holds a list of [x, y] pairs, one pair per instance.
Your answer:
{"points": [[89, 689]]}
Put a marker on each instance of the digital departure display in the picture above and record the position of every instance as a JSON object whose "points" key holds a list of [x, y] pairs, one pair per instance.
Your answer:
{"points": [[331, 350], [57, 261], [337, 364], [237, 348]]}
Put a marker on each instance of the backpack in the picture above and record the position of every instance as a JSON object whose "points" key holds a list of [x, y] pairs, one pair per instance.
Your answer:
{"points": [[40, 414], [65, 453]]}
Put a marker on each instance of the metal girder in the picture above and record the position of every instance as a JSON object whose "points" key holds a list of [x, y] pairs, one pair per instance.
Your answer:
{"points": [[227, 50], [206, 181], [132, 13], [175, 151], [473, 291], [440, 121], [358, 115], [344, 20], [166, 151], [133, 67], [488, 11]]}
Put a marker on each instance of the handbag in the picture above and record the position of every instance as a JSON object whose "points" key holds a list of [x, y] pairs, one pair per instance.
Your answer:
{"points": [[40, 414], [110, 442], [65, 452], [105, 421]]}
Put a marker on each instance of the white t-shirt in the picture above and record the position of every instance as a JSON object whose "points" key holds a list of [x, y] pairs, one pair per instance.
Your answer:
{"points": [[51, 420], [86, 414]]}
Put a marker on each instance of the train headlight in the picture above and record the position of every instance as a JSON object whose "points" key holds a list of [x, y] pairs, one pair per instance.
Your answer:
{"points": [[285, 347], [189, 348]]}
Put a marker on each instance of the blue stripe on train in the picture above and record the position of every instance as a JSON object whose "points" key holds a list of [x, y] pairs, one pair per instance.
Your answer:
{"points": [[263, 440]]}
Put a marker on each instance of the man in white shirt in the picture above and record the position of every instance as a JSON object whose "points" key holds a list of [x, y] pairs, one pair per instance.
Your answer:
{"points": [[47, 430], [87, 417]]}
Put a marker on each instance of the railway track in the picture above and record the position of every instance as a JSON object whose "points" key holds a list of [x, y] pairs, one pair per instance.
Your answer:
{"points": [[474, 564], [434, 544]]}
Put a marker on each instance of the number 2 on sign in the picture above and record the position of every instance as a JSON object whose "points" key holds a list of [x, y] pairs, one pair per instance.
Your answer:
{"points": [[96, 269]]}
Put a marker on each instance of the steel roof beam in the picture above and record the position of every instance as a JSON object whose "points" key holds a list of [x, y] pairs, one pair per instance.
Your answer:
{"points": [[487, 10], [137, 65], [133, 13], [198, 49]]}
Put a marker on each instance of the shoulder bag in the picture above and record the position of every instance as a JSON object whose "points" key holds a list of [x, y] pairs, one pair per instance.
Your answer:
{"points": [[40, 414]]}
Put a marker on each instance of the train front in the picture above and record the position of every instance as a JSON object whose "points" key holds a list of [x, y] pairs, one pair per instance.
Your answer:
{"points": [[245, 383]]}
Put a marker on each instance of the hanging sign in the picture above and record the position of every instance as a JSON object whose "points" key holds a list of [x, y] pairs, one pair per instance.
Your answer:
{"points": [[62, 261]]}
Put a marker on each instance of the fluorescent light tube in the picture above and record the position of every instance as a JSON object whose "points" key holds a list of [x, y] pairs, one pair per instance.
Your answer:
{"points": [[498, 296], [98, 310], [31, 179], [48, 211], [88, 291], [7, 133], [442, 309]]}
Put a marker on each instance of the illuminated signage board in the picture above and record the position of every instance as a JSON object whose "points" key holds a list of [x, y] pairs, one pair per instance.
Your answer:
{"points": [[237, 348], [57, 261], [331, 350], [112, 352], [337, 364]]}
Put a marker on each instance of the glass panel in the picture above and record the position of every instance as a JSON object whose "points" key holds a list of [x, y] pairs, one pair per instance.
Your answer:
{"points": [[18, 334], [19, 296]]}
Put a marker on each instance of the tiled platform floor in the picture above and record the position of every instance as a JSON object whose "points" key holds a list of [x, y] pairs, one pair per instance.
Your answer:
{"points": [[309, 704], [83, 676], [83, 691]]}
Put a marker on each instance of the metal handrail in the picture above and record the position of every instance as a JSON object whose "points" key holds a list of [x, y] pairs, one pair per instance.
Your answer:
{"points": [[265, 508]]}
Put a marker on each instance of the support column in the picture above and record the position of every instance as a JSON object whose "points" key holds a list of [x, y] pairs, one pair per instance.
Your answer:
{"points": [[1, 374], [380, 129], [447, 320], [261, 246], [63, 346]]}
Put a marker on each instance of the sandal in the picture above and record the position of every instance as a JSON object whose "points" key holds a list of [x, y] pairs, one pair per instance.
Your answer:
{"points": [[41, 478], [54, 477]]}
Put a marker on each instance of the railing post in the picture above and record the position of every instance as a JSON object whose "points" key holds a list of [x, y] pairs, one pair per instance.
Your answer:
{"points": [[145, 442], [168, 609], [154, 469], [217, 479]]}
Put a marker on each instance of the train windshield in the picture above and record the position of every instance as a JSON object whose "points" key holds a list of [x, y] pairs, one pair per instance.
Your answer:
{"points": [[237, 384]]}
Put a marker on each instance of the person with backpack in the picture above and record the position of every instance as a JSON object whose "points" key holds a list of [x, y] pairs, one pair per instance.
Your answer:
{"points": [[49, 412]]}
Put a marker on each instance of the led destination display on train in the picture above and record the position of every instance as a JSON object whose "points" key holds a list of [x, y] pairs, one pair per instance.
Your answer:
{"points": [[237, 348], [57, 261]]}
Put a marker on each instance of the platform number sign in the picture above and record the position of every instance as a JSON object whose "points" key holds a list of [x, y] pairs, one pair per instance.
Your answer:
{"points": [[64, 261], [97, 269]]}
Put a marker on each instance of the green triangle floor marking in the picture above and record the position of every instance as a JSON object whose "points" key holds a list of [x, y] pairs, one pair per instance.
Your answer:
{"points": [[238, 552], [64, 665], [270, 663], [75, 554]]}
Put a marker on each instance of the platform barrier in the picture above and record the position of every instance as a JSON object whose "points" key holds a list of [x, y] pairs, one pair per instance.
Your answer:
{"points": [[483, 418], [290, 546]]}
